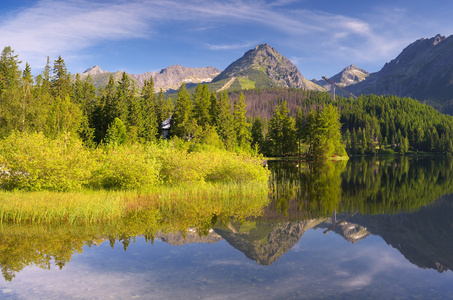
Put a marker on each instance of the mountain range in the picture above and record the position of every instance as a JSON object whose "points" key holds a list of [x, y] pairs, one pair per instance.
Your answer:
{"points": [[423, 70]]}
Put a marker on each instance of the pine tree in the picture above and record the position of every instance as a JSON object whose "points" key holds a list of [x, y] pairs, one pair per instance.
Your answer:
{"points": [[124, 97], [61, 79], [184, 126], [149, 100], [322, 133], [241, 126], [224, 122], [10, 90], [202, 105], [257, 134]]}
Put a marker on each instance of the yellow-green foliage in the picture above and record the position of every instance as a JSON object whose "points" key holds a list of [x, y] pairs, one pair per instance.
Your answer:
{"points": [[189, 205], [210, 165], [52, 206], [35, 162], [126, 167]]}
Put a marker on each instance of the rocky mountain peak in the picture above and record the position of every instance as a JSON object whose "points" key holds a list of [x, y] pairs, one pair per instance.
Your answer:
{"points": [[350, 75], [94, 70], [438, 38], [265, 63]]}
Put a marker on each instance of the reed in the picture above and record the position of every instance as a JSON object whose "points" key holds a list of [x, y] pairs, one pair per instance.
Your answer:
{"points": [[183, 204], [46, 207]]}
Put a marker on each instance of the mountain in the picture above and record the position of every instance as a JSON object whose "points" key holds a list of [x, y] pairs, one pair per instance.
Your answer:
{"points": [[348, 76], [423, 70], [264, 242], [262, 67], [168, 79], [190, 236], [423, 237]]}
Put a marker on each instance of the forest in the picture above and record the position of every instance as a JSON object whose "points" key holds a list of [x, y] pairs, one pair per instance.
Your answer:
{"points": [[273, 121]]}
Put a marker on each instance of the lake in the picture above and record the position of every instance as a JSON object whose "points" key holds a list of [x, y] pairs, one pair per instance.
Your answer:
{"points": [[366, 228]]}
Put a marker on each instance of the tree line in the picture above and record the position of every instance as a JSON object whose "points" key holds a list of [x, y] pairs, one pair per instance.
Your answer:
{"points": [[58, 104], [273, 121]]}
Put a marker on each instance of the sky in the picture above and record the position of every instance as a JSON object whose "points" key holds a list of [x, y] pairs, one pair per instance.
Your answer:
{"points": [[321, 37]]}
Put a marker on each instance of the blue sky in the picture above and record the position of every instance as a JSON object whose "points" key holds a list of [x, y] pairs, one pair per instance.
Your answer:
{"points": [[320, 37]]}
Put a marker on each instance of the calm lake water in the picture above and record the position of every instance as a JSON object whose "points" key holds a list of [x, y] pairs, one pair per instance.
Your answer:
{"points": [[368, 228]]}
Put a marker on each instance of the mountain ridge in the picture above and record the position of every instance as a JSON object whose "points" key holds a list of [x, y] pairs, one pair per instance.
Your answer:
{"points": [[169, 78], [423, 71]]}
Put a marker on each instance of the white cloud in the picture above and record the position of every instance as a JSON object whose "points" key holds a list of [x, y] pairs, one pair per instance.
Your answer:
{"points": [[67, 28], [56, 27], [231, 46]]}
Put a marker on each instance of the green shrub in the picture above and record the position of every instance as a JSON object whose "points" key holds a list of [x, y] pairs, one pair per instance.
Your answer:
{"points": [[126, 167], [35, 162]]}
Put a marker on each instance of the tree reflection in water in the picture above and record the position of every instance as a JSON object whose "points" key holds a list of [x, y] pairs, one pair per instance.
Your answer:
{"points": [[392, 197]]}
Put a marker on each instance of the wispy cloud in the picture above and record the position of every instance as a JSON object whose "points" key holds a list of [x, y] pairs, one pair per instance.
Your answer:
{"points": [[231, 46], [54, 27]]}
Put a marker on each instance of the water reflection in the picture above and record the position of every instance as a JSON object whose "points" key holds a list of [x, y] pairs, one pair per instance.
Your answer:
{"points": [[404, 201]]}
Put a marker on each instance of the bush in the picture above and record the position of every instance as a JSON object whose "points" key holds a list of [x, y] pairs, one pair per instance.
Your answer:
{"points": [[35, 162], [209, 164], [126, 167]]}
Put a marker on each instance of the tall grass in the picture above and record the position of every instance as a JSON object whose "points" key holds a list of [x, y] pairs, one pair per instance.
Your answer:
{"points": [[46, 207], [182, 204]]}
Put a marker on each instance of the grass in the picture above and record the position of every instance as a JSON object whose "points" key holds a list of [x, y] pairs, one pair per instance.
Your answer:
{"points": [[184, 204], [246, 83]]}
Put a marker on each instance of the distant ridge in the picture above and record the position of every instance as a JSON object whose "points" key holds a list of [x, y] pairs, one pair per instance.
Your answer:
{"points": [[166, 79], [346, 77]]}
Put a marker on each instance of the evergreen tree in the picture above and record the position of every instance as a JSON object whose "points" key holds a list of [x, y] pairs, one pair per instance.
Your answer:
{"points": [[116, 133], [125, 94], [224, 122], [300, 121], [282, 132], [61, 79], [241, 126], [257, 134], [322, 133], [105, 111], [150, 122], [202, 105], [10, 98], [184, 126]]}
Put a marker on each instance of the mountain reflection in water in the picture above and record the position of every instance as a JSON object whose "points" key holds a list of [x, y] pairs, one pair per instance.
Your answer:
{"points": [[405, 201]]}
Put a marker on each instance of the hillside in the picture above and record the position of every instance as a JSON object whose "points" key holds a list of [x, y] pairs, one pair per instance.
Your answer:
{"points": [[262, 67], [423, 71]]}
